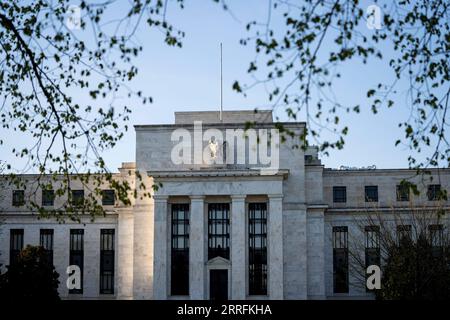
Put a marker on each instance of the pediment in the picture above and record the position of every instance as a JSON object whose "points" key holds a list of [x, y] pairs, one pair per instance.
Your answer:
{"points": [[218, 261]]}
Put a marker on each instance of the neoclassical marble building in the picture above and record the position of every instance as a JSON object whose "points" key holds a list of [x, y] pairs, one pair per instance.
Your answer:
{"points": [[231, 218]]}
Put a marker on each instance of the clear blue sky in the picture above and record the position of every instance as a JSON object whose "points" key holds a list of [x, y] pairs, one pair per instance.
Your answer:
{"points": [[187, 79]]}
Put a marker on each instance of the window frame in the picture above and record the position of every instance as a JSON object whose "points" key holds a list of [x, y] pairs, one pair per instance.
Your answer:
{"points": [[106, 199], [257, 254], [15, 244], [47, 201], [433, 192], [107, 261], [403, 193], [76, 250], [179, 234], [367, 190], [336, 190], [340, 252], [218, 220], [77, 200], [18, 198], [402, 231], [46, 241]]}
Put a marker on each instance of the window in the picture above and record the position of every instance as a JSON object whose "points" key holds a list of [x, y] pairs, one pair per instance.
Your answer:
{"points": [[372, 254], [76, 254], [404, 232], [434, 192], [46, 242], [107, 261], [48, 198], [371, 193], [18, 198], [108, 197], [340, 259], [436, 232], [257, 237], [339, 194], [436, 235], [15, 245], [180, 249], [219, 230], [402, 192], [77, 197]]}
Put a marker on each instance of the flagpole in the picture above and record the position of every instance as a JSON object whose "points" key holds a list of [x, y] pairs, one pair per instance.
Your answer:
{"points": [[221, 85]]}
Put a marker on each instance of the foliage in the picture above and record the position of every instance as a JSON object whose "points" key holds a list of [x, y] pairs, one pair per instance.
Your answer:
{"points": [[50, 50], [300, 62], [31, 277], [416, 270], [414, 253]]}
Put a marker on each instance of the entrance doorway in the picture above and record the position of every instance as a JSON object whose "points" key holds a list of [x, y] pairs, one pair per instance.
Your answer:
{"points": [[218, 285]]}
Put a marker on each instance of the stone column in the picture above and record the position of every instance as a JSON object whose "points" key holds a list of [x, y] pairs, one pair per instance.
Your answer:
{"points": [[238, 233], [197, 249], [125, 230], [160, 278], [275, 250]]}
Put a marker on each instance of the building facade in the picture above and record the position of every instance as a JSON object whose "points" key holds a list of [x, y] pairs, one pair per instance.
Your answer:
{"points": [[230, 219]]}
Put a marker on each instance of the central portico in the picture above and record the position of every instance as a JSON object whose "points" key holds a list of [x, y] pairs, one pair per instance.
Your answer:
{"points": [[218, 204]]}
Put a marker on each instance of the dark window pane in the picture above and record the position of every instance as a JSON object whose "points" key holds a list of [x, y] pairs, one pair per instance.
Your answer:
{"points": [[15, 245], [76, 254], [257, 236], [46, 242], [107, 261], [339, 194], [77, 197], [434, 192], [371, 193], [404, 232], [48, 198], [108, 197], [18, 198], [340, 259], [372, 251], [179, 283], [436, 234], [218, 230], [402, 192]]}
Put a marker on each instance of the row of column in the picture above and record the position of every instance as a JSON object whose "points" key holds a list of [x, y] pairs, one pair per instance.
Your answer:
{"points": [[197, 260]]}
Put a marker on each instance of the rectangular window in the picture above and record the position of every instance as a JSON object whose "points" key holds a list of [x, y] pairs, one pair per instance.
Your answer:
{"points": [[436, 233], [219, 230], [434, 192], [77, 197], [372, 254], [18, 198], [402, 192], [76, 254], [180, 249], [404, 232], [257, 237], [15, 245], [340, 259], [339, 194], [108, 197], [46, 242], [107, 261], [48, 198], [371, 193]]}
